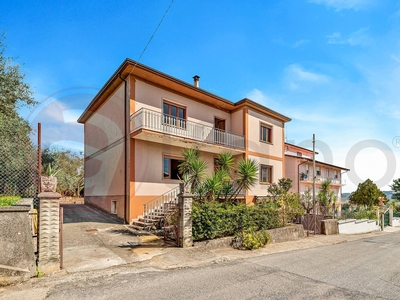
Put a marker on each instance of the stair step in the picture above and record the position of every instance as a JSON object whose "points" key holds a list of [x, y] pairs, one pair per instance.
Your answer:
{"points": [[143, 224], [150, 220], [136, 227]]}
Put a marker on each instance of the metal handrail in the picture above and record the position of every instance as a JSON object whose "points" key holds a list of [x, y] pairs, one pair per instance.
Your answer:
{"points": [[155, 207], [163, 123]]}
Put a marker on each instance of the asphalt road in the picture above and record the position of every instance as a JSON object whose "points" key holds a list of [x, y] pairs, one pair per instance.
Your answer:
{"points": [[363, 269]]}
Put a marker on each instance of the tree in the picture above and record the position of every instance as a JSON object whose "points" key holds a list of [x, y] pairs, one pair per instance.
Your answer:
{"points": [[193, 168], [246, 176], [276, 190], [17, 170], [289, 204], [326, 197], [14, 92], [396, 189], [306, 200], [367, 194], [218, 185], [68, 167]]}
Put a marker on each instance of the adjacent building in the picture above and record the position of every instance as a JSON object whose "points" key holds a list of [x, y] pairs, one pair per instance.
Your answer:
{"points": [[299, 168]]}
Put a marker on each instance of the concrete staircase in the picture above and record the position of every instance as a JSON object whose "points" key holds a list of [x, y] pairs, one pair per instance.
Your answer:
{"points": [[156, 210]]}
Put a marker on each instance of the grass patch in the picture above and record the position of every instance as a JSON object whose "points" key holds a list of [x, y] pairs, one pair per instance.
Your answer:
{"points": [[8, 200]]}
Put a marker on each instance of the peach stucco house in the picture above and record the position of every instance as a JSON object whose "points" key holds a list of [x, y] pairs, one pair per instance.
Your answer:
{"points": [[299, 168], [137, 125]]}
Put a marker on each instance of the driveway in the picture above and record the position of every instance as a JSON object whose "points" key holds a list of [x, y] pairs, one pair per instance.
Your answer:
{"points": [[96, 240]]}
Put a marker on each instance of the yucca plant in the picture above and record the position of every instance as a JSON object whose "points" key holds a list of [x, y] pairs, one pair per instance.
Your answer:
{"points": [[246, 175], [193, 168]]}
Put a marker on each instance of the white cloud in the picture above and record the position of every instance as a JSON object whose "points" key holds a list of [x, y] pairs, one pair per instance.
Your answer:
{"points": [[71, 115], [258, 96], [298, 77], [339, 5], [300, 74], [300, 42], [357, 38]]}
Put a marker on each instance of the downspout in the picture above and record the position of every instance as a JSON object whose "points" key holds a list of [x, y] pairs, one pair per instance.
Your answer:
{"points": [[126, 133]]}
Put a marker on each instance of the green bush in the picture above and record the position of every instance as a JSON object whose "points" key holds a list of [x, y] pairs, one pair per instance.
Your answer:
{"points": [[251, 239], [359, 214], [8, 200], [211, 220]]}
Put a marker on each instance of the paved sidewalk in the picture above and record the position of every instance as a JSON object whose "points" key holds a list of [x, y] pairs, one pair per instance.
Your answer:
{"points": [[99, 245]]}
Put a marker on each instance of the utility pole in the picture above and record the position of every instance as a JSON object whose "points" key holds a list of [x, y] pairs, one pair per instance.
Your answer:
{"points": [[313, 189], [39, 158]]}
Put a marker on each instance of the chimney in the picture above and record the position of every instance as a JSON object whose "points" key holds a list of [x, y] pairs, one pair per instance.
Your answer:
{"points": [[196, 80]]}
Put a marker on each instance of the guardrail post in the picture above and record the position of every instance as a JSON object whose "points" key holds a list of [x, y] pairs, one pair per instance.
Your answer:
{"points": [[185, 217], [391, 215]]}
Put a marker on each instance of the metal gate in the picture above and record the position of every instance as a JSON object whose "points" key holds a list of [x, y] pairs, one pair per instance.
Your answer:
{"points": [[170, 223], [312, 223], [386, 219]]}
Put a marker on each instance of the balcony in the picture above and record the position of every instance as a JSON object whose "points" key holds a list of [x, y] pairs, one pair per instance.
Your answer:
{"points": [[151, 125], [319, 180]]}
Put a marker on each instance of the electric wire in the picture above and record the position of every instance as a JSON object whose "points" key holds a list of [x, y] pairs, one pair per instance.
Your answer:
{"points": [[151, 38]]}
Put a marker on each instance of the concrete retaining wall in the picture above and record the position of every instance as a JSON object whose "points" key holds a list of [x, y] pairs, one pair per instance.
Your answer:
{"points": [[329, 227], [285, 234], [353, 226], [17, 259], [396, 222]]}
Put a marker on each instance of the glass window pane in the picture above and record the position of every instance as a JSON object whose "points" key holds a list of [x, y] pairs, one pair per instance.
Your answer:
{"points": [[181, 113], [173, 111], [166, 167], [165, 108]]}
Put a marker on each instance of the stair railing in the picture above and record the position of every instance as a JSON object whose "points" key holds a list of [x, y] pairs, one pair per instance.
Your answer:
{"points": [[155, 207]]}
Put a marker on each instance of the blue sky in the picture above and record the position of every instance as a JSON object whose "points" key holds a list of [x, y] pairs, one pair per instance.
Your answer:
{"points": [[333, 66]]}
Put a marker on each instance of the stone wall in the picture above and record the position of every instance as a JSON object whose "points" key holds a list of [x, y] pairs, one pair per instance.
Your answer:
{"points": [[17, 258]]}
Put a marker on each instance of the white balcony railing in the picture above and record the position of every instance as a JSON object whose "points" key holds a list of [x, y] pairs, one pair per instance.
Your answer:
{"points": [[158, 122], [320, 179]]}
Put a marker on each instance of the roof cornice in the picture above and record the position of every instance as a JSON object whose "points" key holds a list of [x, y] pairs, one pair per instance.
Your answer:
{"points": [[147, 74]]}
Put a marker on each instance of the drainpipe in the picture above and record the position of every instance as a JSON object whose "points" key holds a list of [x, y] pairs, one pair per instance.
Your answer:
{"points": [[126, 134]]}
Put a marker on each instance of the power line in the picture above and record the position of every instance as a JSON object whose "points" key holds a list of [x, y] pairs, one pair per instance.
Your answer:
{"points": [[151, 38]]}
